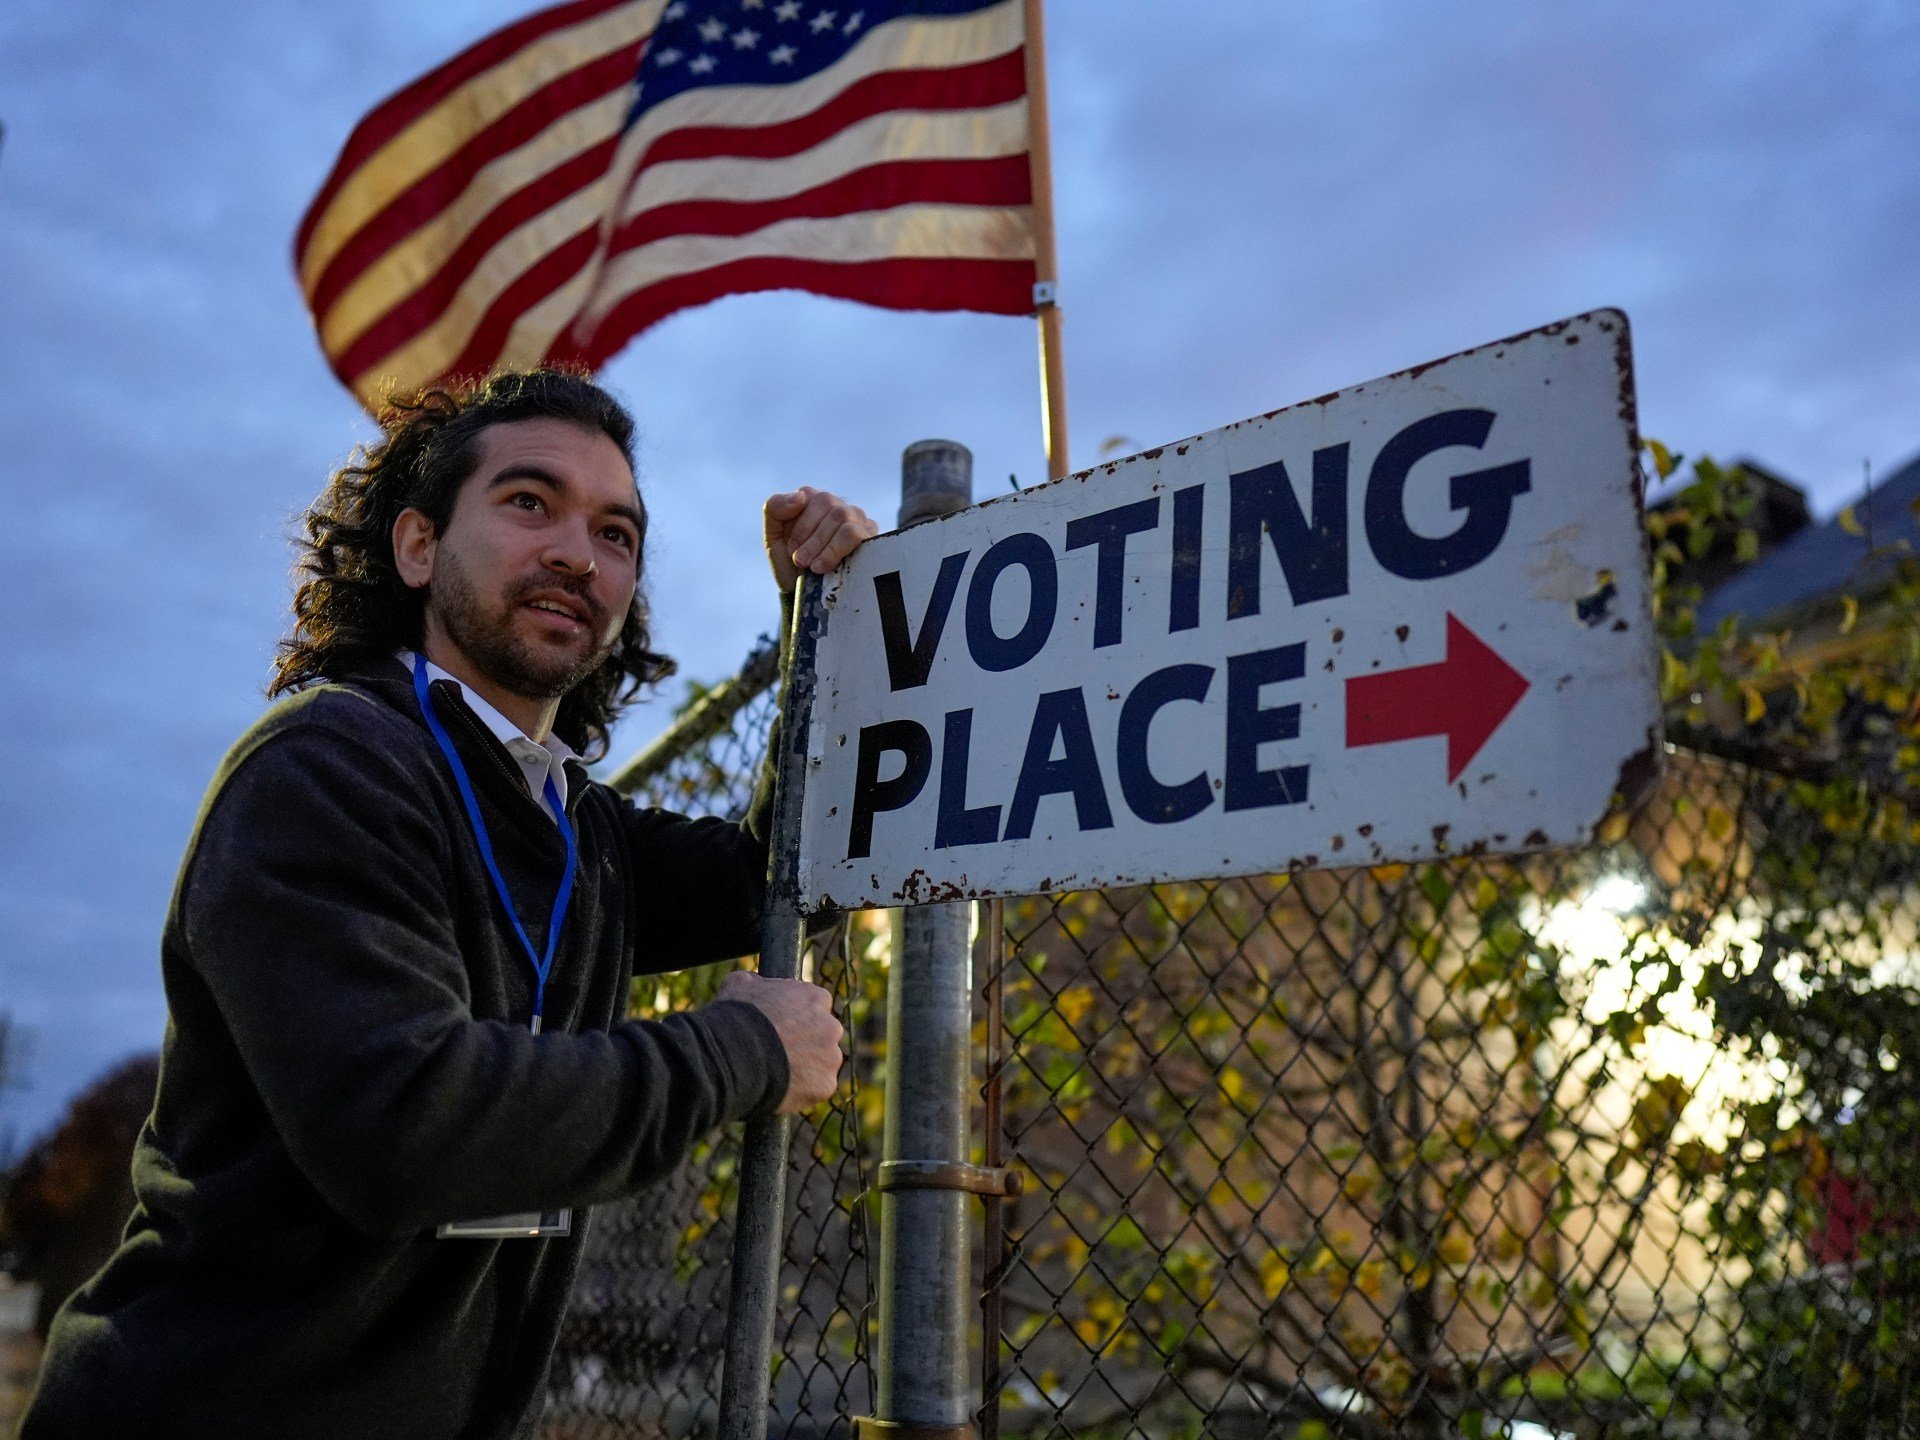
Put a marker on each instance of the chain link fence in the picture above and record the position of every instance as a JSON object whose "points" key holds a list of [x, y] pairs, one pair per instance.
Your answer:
{"points": [[640, 1354], [1609, 1142]]}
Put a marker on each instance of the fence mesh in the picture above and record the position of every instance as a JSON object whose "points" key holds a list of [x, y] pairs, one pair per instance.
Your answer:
{"points": [[1607, 1142]]}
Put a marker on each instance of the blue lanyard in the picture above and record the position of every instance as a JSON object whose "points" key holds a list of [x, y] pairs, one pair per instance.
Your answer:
{"points": [[541, 964]]}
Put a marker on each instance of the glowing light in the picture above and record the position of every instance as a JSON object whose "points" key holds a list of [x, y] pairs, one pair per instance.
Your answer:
{"points": [[1617, 894]]}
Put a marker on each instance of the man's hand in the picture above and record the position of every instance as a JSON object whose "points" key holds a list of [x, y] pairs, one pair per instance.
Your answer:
{"points": [[803, 1014], [808, 529]]}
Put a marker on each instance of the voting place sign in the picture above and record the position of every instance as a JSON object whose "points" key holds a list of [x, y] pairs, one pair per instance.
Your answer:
{"points": [[1406, 620]]}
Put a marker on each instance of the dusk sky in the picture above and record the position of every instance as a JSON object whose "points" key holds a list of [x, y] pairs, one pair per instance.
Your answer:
{"points": [[1258, 203]]}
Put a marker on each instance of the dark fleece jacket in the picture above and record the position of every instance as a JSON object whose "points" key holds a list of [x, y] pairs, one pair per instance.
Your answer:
{"points": [[347, 1065]]}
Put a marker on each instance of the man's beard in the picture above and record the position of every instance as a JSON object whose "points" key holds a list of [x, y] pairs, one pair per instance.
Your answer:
{"points": [[490, 643]]}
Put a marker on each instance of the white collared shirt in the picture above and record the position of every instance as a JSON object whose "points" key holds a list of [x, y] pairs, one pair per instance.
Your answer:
{"points": [[538, 760]]}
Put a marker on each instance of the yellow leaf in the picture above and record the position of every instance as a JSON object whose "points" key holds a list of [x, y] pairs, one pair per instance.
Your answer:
{"points": [[1389, 874], [1232, 1083], [1674, 678], [1073, 1004], [1455, 1248], [1849, 614], [1613, 829], [1370, 1279], [1485, 894], [1850, 522], [1719, 822], [1662, 457], [1756, 704], [1275, 1273]]}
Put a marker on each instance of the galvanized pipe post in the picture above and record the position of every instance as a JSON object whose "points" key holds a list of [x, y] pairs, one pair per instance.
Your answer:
{"points": [[925, 1385]]}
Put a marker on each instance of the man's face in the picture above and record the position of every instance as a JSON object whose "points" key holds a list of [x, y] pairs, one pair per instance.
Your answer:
{"points": [[532, 577]]}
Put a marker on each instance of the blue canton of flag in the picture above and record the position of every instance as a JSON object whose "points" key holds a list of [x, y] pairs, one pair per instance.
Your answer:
{"points": [[763, 42]]}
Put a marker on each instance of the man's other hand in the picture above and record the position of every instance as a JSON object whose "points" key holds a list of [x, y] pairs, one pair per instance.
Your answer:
{"points": [[803, 1014], [809, 529]]}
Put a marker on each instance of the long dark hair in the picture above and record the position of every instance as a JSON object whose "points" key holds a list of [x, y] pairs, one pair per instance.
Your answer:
{"points": [[350, 605]]}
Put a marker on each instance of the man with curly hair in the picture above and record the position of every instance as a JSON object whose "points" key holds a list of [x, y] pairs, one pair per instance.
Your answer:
{"points": [[396, 1067]]}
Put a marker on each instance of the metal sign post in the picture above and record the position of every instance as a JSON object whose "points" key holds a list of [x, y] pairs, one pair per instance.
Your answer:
{"points": [[1407, 620]]}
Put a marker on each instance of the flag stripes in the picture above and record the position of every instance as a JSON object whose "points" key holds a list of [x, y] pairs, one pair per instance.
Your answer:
{"points": [[383, 156], [531, 141], [530, 200], [998, 287], [928, 229], [978, 85], [407, 105], [993, 181]]}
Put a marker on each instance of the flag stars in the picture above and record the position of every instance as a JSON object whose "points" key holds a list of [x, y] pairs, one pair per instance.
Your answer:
{"points": [[787, 10], [823, 22], [674, 11], [701, 64], [745, 39], [782, 54], [853, 22], [668, 56], [712, 29], [753, 4]]}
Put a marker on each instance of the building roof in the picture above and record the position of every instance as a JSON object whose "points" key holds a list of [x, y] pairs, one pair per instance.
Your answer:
{"points": [[1824, 559]]}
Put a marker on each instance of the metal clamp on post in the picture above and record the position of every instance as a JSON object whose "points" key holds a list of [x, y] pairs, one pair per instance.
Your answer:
{"points": [[865, 1428], [948, 1175]]}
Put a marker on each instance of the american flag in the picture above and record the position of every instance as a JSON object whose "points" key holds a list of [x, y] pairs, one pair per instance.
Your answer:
{"points": [[566, 182]]}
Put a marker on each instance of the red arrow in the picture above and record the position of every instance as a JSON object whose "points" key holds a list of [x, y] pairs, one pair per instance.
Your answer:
{"points": [[1464, 697]]}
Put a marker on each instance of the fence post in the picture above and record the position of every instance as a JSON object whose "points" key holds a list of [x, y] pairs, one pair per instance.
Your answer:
{"points": [[760, 1211], [924, 1385]]}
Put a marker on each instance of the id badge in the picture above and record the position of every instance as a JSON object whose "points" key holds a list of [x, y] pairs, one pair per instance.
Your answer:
{"points": [[526, 1225], [534, 1224]]}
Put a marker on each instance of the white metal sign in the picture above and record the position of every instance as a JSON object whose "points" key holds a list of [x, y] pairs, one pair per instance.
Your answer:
{"points": [[1405, 620]]}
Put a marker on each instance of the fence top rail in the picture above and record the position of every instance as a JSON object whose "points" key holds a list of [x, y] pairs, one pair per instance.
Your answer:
{"points": [[707, 717], [1786, 764]]}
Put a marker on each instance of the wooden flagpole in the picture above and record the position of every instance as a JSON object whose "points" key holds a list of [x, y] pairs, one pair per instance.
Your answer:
{"points": [[1046, 290]]}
